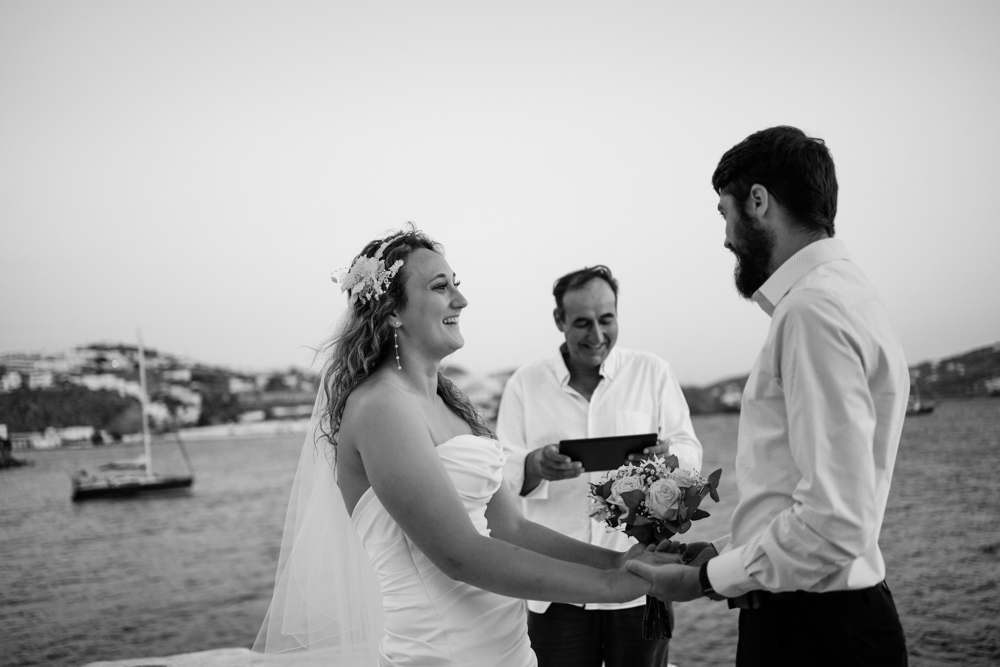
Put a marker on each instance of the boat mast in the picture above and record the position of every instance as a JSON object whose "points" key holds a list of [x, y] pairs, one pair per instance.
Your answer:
{"points": [[143, 400]]}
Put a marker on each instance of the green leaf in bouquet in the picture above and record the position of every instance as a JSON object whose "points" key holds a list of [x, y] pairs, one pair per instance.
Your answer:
{"points": [[692, 497], [699, 514], [643, 534], [672, 526], [685, 527], [606, 489], [640, 520], [713, 483], [663, 533], [632, 501], [683, 512], [671, 461]]}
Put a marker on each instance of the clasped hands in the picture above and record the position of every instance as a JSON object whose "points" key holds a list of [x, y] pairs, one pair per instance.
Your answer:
{"points": [[671, 567]]}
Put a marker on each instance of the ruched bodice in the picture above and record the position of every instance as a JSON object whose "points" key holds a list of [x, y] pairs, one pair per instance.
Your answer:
{"points": [[432, 620]]}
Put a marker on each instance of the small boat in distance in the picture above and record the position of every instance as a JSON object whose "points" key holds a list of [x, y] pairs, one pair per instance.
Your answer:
{"points": [[917, 404], [86, 486]]}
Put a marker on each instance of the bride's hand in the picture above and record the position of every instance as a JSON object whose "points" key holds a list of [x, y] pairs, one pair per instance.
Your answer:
{"points": [[653, 557], [630, 586]]}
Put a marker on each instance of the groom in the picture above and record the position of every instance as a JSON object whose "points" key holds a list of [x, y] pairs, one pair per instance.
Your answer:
{"points": [[819, 426]]}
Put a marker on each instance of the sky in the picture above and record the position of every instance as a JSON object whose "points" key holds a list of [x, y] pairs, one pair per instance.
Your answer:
{"points": [[197, 170]]}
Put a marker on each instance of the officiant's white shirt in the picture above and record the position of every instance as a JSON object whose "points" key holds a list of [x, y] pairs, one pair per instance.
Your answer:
{"points": [[820, 424], [638, 393]]}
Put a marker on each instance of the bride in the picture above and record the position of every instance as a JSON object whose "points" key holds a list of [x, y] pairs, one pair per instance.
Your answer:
{"points": [[401, 544]]}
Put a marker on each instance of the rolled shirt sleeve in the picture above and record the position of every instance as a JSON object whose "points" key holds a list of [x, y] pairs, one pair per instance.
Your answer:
{"points": [[675, 423], [512, 433]]}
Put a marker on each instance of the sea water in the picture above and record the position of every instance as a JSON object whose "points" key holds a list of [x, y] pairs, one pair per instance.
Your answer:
{"points": [[144, 577]]}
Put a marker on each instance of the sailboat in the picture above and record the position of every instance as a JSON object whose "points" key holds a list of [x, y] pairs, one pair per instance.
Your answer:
{"points": [[87, 486], [918, 405]]}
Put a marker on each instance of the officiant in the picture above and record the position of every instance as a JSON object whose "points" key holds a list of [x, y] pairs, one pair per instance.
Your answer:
{"points": [[589, 389]]}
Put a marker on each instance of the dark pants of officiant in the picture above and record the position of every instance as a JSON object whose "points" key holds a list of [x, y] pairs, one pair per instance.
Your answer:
{"points": [[856, 628], [570, 636]]}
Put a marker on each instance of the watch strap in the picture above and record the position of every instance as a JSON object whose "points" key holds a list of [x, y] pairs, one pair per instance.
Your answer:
{"points": [[706, 585]]}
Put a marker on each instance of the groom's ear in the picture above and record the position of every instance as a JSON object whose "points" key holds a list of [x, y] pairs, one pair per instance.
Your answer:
{"points": [[758, 201], [558, 317]]}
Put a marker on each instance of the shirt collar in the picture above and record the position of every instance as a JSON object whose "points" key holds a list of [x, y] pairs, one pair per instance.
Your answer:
{"points": [[608, 369], [795, 267]]}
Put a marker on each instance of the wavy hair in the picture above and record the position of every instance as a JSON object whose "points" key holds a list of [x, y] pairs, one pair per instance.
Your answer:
{"points": [[364, 339]]}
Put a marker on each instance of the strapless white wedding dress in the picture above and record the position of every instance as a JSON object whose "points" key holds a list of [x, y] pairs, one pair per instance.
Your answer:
{"points": [[432, 620]]}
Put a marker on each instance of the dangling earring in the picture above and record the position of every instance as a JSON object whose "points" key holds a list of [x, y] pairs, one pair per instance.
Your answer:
{"points": [[395, 340]]}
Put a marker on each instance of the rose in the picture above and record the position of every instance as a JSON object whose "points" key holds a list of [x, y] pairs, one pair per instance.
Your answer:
{"points": [[686, 478], [624, 485], [663, 498]]}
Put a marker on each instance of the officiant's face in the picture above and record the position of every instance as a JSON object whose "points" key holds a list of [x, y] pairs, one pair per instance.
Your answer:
{"points": [[589, 322]]}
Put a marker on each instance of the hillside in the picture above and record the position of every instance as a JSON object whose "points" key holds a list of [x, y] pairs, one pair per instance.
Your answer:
{"points": [[97, 387], [966, 375]]}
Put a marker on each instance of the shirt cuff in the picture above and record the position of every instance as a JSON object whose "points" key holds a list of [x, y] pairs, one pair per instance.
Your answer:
{"points": [[688, 456], [721, 543], [728, 576]]}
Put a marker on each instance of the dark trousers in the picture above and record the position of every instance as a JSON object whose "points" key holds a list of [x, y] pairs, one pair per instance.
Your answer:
{"points": [[570, 636], [843, 628]]}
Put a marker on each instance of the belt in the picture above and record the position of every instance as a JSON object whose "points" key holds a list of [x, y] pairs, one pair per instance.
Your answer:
{"points": [[757, 599]]}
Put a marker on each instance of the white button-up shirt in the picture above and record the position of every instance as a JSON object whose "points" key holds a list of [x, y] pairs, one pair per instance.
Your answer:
{"points": [[638, 393], [820, 424]]}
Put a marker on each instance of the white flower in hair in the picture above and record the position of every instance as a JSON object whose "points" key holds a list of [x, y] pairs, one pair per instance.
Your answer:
{"points": [[367, 278]]}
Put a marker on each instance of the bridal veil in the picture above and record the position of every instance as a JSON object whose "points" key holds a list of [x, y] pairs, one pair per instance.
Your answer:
{"points": [[327, 605]]}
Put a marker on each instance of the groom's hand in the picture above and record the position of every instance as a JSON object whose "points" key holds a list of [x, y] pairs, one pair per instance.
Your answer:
{"points": [[694, 553], [634, 551], [671, 581]]}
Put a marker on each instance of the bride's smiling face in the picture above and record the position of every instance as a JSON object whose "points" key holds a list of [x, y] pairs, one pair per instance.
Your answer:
{"points": [[429, 322]]}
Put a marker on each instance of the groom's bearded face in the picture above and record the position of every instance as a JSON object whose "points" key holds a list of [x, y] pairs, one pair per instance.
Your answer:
{"points": [[753, 245]]}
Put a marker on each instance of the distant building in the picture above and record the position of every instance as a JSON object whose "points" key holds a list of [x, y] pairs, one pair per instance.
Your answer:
{"points": [[177, 375], [22, 362], [75, 434], [36, 440], [105, 381], [40, 380], [238, 385], [10, 381]]}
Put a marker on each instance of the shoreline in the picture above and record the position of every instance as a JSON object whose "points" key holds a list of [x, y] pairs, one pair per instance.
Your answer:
{"points": [[218, 657]]}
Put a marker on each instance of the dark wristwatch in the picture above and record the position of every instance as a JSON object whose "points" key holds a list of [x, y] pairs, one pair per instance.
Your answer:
{"points": [[706, 585]]}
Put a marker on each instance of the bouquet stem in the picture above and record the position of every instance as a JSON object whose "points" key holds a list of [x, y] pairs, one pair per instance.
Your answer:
{"points": [[656, 621]]}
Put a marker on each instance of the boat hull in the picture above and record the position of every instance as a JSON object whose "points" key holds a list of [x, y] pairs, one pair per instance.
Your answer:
{"points": [[86, 489]]}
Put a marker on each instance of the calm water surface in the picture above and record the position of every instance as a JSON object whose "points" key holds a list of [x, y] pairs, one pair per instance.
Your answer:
{"points": [[115, 579]]}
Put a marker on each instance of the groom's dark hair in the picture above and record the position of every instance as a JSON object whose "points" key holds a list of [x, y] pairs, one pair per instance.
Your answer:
{"points": [[578, 279], [797, 171]]}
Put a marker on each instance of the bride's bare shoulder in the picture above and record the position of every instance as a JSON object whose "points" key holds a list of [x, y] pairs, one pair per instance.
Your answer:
{"points": [[378, 404]]}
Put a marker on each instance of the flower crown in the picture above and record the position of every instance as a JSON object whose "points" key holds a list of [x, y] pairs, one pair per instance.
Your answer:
{"points": [[367, 278]]}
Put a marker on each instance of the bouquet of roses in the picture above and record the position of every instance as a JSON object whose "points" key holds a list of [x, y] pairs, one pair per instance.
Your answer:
{"points": [[653, 500]]}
